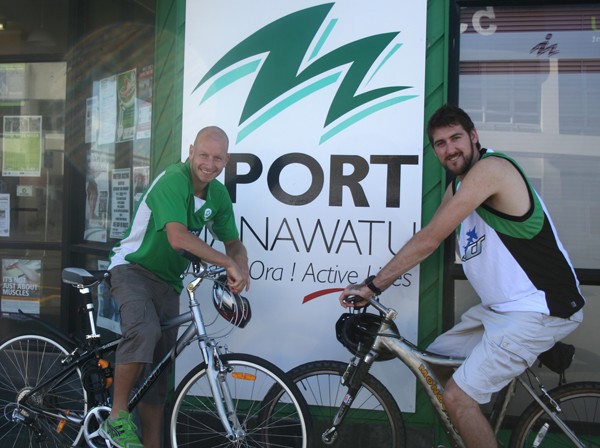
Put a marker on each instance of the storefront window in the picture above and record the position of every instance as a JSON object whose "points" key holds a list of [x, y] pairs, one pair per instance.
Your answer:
{"points": [[32, 28], [75, 118], [32, 109], [530, 79], [118, 134]]}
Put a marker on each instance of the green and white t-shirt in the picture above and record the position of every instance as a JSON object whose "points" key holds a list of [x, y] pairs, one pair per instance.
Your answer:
{"points": [[170, 198], [518, 263]]}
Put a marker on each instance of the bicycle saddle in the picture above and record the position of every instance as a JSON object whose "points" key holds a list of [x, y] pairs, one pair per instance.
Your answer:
{"points": [[82, 277]]}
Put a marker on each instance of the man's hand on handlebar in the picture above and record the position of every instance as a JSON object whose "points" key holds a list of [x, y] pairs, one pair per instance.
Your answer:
{"points": [[355, 296], [235, 279]]}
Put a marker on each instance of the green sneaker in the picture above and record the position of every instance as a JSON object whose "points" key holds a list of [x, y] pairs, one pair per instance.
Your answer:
{"points": [[121, 431]]}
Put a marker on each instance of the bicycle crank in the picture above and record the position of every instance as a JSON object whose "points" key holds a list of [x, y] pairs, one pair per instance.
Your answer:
{"points": [[91, 427]]}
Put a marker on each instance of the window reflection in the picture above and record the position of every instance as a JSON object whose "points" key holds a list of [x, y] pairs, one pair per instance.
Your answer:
{"points": [[530, 79], [32, 109]]}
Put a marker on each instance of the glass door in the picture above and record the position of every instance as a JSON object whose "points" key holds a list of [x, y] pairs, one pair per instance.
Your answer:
{"points": [[32, 111]]}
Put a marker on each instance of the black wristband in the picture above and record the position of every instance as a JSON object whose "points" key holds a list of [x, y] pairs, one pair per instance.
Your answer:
{"points": [[371, 286]]}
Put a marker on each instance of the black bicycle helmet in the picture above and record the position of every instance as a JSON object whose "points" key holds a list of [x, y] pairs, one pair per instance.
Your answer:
{"points": [[357, 331], [232, 307]]}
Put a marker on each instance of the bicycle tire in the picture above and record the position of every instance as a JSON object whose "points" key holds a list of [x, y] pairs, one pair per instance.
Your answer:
{"points": [[374, 419], [194, 420], [25, 362], [580, 410]]}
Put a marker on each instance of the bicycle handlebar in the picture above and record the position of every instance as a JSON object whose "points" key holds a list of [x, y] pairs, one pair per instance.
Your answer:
{"points": [[389, 313], [199, 267]]}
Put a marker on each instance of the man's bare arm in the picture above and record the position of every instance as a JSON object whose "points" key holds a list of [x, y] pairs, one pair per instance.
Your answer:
{"points": [[236, 250], [180, 238], [483, 181]]}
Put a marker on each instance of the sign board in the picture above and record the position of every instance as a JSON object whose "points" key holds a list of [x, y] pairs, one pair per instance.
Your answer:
{"points": [[323, 104]]}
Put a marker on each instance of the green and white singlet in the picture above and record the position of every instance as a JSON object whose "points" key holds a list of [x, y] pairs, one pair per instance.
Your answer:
{"points": [[518, 263]]}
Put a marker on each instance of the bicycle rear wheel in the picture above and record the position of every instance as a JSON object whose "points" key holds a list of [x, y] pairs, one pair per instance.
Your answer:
{"points": [[374, 418], [580, 410], [26, 362], [194, 421]]}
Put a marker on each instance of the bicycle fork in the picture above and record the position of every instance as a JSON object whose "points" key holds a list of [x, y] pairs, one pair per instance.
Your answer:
{"points": [[216, 373], [217, 377], [353, 377]]}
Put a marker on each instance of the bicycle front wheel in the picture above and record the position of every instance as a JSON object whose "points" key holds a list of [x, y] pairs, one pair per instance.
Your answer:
{"points": [[579, 409], [195, 421], [40, 420], [374, 419]]}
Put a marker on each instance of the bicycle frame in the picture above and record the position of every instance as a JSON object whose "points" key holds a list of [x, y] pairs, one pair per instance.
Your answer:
{"points": [[196, 330], [420, 364]]}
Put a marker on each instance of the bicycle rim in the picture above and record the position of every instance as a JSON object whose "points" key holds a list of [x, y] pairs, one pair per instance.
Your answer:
{"points": [[580, 410], [25, 362], [195, 422], [374, 418]]}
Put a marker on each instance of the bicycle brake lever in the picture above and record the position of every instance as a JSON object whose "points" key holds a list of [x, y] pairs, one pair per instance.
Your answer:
{"points": [[351, 300]]}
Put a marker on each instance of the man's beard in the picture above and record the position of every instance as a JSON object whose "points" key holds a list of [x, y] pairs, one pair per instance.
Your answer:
{"points": [[468, 159]]}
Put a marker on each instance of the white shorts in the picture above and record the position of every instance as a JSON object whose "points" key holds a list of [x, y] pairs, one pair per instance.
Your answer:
{"points": [[499, 346]]}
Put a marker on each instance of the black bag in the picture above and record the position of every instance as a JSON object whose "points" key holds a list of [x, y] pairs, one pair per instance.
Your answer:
{"points": [[558, 358]]}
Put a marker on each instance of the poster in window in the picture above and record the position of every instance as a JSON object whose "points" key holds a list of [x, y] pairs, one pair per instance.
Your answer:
{"points": [[108, 310], [4, 214], [141, 175], [144, 94], [96, 206], [91, 120], [120, 202], [21, 280], [126, 95], [12, 81], [107, 110], [22, 146]]}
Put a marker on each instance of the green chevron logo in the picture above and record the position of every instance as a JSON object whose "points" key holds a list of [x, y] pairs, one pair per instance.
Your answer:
{"points": [[279, 50]]}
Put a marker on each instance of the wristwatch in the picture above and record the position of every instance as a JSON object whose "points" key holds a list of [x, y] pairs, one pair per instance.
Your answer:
{"points": [[371, 286]]}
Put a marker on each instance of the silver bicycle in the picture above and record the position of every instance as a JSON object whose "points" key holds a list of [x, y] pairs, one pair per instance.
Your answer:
{"points": [[351, 408], [54, 391]]}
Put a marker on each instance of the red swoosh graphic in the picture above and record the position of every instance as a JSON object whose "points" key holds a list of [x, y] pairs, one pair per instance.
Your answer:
{"points": [[320, 293]]}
